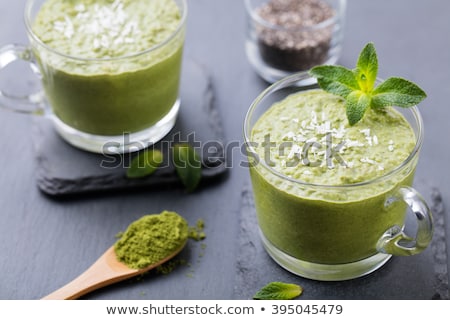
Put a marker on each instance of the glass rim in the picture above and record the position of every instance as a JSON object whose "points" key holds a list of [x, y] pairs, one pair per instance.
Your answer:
{"points": [[321, 25], [298, 78], [28, 24]]}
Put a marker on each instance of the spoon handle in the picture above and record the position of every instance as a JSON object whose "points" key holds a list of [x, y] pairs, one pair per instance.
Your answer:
{"points": [[105, 271]]}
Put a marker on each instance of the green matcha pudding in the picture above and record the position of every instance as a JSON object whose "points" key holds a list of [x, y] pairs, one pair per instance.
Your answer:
{"points": [[321, 186], [110, 67]]}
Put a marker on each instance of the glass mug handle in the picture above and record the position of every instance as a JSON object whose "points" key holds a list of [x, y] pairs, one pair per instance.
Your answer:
{"points": [[395, 241], [32, 103]]}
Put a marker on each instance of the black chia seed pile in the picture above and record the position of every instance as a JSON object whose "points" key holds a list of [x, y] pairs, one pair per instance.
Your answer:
{"points": [[292, 46]]}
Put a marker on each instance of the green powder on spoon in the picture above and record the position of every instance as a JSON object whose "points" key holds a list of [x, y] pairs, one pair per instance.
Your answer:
{"points": [[151, 238]]}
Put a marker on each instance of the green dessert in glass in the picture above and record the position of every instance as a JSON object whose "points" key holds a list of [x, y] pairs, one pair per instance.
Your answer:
{"points": [[331, 184], [110, 67]]}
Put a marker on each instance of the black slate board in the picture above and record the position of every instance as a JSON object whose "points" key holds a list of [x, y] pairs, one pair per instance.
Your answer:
{"points": [[62, 169], [420, 277]]}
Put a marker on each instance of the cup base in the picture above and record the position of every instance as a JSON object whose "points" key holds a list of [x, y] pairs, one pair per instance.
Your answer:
{"points": [[271, 74], [128, 142], [325, 272]]}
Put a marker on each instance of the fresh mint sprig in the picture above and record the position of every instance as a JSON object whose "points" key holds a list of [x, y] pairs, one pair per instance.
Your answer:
{"points": [[357, 86]]}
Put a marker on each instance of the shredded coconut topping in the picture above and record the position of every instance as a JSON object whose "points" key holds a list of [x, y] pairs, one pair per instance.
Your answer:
{"points": [[105, 28], [315, 131], [322, 147]]}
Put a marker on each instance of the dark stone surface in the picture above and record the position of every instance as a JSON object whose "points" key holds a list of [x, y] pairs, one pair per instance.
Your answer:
{"points": [[46, 242], [62, 169]]}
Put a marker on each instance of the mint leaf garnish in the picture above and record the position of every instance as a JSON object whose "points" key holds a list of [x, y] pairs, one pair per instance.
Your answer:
{"points": [[188, 165], [335, 79], [145, 163], [367, 68], [398, 92], [278, 291], [357, 104], [357, 86]]}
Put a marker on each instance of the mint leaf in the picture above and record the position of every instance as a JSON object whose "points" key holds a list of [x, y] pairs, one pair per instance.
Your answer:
{"points": [[188, 165], [335, 79], [357, 104], [367, 68], [278, 291], [357, 86], [145, 163], [397, 92]]}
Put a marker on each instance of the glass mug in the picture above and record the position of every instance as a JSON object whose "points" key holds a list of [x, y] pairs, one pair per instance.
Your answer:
{"points": [[331, 232], [102, 105]]}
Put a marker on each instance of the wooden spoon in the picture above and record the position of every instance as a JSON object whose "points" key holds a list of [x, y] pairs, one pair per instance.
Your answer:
{"points": [[105, 271]]}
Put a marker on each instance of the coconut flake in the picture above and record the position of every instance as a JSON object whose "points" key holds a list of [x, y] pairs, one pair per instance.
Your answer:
{"points": [[353, 143], [289, 136], [295, 150], [391, 146], [375, 139], [366, 132], [301, 138], [69, 30], [339, 133], [313, 118], [80, 7], [367, 160]]}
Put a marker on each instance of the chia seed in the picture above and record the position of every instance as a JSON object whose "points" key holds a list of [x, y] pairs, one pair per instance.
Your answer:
{"points": [[293, 44]]}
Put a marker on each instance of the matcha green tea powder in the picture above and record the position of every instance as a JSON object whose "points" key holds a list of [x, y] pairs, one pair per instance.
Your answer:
{"points": [[151, 238]]}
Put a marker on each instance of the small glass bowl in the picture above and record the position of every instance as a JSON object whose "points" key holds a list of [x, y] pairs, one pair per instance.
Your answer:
{"points": [[278, 46]]}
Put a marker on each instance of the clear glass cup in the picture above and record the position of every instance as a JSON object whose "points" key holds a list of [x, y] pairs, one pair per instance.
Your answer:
{"points": [[103, 105], [335, 232], [277, 50]]}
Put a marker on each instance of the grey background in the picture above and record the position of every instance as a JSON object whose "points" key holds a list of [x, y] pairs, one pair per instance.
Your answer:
{"points": [[46, 242]]}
